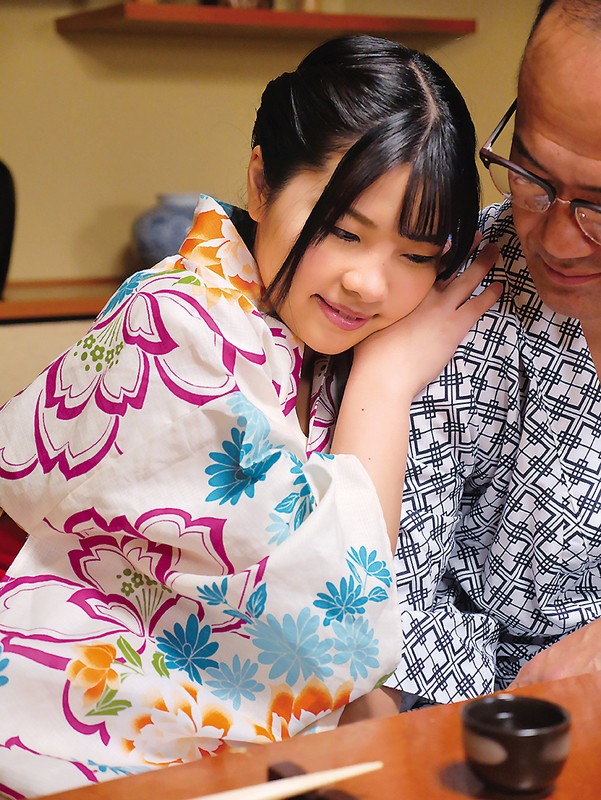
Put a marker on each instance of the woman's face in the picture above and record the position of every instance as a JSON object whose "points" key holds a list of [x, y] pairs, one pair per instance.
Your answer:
{"points": [[361, 278]]}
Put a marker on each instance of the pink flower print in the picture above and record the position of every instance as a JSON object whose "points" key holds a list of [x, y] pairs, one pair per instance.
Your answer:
{"points": [[142, 346], [139, 349], [141, 543]]}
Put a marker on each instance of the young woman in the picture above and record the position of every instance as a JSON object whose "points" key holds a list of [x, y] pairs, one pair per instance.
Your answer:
{"points": [[209, 559]]}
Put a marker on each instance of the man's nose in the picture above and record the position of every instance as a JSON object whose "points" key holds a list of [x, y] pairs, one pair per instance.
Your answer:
{"points": [[561, 236]]}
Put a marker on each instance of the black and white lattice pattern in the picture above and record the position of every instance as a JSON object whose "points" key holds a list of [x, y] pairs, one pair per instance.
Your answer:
{"points": [[500, 545]]}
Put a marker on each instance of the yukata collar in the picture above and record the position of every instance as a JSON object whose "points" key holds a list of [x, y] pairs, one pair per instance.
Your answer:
{"points": [[537, 320], [218, 248]]}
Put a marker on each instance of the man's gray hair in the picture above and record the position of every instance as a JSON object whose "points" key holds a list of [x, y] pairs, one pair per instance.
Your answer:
{"points": [[587, 12]]}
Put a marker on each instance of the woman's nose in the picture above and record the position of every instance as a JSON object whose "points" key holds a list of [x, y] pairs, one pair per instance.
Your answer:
{"points": [[367, 281]]}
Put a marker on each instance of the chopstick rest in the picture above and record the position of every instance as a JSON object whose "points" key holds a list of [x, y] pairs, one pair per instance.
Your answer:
{"points": [[288, 769]]}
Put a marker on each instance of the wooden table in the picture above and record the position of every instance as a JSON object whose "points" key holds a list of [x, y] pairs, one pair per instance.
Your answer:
{"points": [[421, 751], [44, 300]]}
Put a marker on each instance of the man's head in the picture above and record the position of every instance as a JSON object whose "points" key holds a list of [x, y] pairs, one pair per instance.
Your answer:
{"points": [[558, 137]]}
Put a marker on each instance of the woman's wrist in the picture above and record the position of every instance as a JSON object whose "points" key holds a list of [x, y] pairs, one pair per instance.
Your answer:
{"points": [[390, 383]]}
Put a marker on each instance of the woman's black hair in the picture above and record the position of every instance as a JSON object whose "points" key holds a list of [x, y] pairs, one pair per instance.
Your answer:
{"points": [[386, 105]]}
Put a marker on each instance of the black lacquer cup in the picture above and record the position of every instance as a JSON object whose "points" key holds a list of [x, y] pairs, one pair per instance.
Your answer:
{"points": [[515, 743]]}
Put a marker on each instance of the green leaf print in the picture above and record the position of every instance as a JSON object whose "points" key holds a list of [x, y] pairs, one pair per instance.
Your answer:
{"points": [[107, 706], [158, 662], [110, 710], [130, 655]]}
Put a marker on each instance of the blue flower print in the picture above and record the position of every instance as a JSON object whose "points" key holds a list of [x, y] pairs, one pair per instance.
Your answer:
{"points": [[256, 602], [250, 417], [347, 599], [214, 595], [280, 529], [234, 473], [3, 666], [370, 564], [126, 288], [188, 649], [235, 682], [355, 642], [104, 768], [297, 506], [292, 647]]}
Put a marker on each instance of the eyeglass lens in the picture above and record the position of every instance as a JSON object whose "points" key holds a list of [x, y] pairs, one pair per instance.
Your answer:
{"points": [[529, 195]]}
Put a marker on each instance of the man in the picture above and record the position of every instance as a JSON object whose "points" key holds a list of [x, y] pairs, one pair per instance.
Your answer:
{"points": [[499, 558]]}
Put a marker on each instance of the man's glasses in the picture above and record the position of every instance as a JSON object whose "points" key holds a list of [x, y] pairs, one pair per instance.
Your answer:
{"points": [[528, 191]]}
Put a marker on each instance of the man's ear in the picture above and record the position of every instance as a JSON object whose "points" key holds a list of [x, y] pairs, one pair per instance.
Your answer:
{"points": [[256, 187]]}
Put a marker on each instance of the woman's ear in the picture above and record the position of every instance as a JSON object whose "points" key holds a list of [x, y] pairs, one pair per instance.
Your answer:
{"points": [[256, 187]]}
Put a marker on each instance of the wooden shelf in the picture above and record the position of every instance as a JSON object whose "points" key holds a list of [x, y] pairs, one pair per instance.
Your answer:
{"points": [[140, 17], [44, 301]]}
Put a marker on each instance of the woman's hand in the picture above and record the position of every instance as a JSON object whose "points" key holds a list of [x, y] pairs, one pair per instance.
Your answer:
{"points": [[389, 369], [406, 356]]}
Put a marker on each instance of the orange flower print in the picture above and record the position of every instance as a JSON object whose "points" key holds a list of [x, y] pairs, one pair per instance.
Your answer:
{"points": [[93, 671], [286, 710], [207, 227], [212, 244], [174, 727]]}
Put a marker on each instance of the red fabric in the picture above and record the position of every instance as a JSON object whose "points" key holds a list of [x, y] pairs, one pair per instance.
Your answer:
{"points": [[12, 538]]}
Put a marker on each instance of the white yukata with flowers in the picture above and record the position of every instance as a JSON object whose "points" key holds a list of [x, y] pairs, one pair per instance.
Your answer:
{"points": [[198, 574]]}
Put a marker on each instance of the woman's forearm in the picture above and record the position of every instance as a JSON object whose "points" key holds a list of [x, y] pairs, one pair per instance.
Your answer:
{"points": [[373, 424]]}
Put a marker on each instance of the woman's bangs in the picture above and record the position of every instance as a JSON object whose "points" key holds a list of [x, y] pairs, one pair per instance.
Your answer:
{"points": [[426, 215]]}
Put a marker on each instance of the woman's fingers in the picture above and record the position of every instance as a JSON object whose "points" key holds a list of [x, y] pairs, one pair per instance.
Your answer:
{"points": [[475, 244], [471, 310], [464, 285]]}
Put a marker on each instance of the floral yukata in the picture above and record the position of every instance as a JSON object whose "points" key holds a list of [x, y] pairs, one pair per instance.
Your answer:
{"points": [[199, 574]]}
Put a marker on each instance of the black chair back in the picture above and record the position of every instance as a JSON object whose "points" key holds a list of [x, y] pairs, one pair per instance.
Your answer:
{"points": [[7, 221]]}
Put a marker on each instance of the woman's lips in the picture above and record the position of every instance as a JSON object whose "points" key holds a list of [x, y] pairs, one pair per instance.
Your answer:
{"points": [[340, 316], [569, 278]]}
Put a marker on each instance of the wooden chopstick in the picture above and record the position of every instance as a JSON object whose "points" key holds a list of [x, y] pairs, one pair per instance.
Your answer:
{"points": [[290, 787]]}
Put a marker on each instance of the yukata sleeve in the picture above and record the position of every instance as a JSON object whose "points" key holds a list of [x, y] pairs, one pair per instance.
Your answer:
{"points": [[274, 568], [303, 540], [448, 653]]}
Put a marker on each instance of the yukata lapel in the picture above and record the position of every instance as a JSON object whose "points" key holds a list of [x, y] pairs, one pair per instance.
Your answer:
{"points": [[323, 407], [216, 251], [562, 391]]}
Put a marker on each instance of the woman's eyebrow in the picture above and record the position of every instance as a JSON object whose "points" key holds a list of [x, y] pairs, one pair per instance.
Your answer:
{"points": [[523, 151], [359, 217]]}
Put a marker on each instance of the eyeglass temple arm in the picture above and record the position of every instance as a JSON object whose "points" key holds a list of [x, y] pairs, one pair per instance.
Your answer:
{"points": [[505, 119]]}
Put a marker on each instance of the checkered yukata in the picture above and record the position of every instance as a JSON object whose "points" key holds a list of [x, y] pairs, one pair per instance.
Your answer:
{"points": [[500, 542]]}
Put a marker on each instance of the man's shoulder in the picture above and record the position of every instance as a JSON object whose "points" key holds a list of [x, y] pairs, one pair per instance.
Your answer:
{"points": [[499, 215], [497, 330], [496, 225]]}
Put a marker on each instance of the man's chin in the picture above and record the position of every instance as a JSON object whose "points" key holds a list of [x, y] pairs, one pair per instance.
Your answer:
{"points": [[569, 302], [574, 307]]}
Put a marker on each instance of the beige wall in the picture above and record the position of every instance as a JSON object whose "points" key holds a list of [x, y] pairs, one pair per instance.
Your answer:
{"points": [[25, 350], [94, 126]]}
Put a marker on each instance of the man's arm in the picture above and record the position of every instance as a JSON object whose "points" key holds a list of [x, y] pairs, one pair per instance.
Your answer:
{"points": [[447, 654], [575, 654]]}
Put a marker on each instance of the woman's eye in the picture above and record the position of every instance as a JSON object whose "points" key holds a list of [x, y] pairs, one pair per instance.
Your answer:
{"points": [[416, 258], [345, 236]]}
